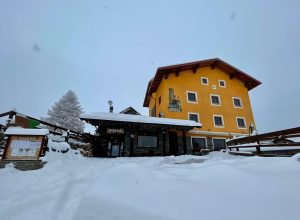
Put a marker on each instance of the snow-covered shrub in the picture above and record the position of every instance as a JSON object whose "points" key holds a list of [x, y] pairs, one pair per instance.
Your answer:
{"points": [[58, 146]]}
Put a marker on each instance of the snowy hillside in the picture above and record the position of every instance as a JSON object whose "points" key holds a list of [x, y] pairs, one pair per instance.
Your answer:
{"points": [[222, 187]]}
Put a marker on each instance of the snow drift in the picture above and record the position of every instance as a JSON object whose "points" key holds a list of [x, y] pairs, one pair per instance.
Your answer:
{"points": [[222, 187]]}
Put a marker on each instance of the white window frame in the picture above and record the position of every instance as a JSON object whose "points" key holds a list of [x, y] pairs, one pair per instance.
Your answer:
{"points": [[240, 102], [237, 124], [219, 126], [214, 103], [224, 83], [187, 97], [194, 113], [218, 138], [198, 137], [204, 83]]}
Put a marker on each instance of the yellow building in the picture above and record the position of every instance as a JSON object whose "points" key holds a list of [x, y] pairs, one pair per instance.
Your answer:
{"points": [[211, 92]]}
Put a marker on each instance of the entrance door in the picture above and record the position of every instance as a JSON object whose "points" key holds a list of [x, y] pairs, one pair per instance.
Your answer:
{"points": [[219, 143], [115, 150], [173, 143]]}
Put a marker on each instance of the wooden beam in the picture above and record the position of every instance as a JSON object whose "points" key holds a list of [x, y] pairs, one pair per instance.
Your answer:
{"points": [[247, 85], [177, 73], [8, 113], [167, 76], [184, 142], [195, 68], [294, 132], [295, 144], [213, 65], [232, 75]]}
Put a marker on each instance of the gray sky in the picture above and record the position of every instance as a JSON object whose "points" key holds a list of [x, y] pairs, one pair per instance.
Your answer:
{"points": [[110, 49]]}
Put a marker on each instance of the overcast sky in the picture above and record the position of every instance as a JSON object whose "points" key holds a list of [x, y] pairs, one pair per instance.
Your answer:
{"points": [[108, 50]]}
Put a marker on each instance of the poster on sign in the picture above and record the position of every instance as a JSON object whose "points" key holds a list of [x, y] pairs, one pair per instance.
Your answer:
{"points": [[24, 148]]}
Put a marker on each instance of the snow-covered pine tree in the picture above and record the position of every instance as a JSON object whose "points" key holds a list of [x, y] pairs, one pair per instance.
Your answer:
{"points": [[66, 112]]}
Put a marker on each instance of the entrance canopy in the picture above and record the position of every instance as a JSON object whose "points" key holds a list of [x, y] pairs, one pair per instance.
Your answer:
{"points": [[101, 118]]}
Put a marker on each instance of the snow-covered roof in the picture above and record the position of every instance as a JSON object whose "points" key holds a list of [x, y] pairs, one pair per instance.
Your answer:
{"points": [[139, 119], [26, 131]]}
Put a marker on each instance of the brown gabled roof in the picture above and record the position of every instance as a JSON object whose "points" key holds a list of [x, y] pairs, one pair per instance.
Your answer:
{"points": [[233, 72], [130, 110]]}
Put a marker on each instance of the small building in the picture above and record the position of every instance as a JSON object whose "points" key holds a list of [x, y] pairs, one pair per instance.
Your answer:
{"points": [[211, 92], [131, 111], [120, 134]]}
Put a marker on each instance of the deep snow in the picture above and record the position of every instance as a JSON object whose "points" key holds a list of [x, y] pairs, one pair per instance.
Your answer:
{"points": [[222, 187]]}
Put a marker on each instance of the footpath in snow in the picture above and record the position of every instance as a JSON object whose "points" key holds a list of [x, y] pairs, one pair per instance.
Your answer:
{"points": [[71, 186]]}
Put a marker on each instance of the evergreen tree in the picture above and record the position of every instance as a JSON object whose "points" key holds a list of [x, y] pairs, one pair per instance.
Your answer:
{"points": [[66, 112]]}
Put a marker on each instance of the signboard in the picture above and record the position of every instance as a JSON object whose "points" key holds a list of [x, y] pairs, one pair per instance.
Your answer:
{"points": [[23, 147], [115, 131]]}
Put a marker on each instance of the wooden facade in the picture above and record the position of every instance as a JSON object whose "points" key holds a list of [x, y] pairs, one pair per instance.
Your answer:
{"points": [[115, 138]]}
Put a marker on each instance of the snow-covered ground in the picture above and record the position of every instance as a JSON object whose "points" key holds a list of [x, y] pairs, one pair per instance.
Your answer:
{"points": [[222, 187]]}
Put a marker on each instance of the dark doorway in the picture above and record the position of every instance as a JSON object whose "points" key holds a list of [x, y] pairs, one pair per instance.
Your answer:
{"points": [[99, 147], [173, 143], [219, 143], [115, 145]]}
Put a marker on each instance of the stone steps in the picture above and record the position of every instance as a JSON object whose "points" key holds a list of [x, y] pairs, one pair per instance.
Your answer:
{"points": [[24, 165]]}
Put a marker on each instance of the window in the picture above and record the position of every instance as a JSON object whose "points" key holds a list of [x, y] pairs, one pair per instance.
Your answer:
{"points": [[198, 143], [241, 123], [219, 143], [159, 100], [194, 117], [222, 83], [147, 141], [237, 102], [215, 99], [191, 97], [218, 121], [153, 111], [204, 80]]}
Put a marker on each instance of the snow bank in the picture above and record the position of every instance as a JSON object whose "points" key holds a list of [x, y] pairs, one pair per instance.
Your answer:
{"points": [[71, 186], [237, 189]]}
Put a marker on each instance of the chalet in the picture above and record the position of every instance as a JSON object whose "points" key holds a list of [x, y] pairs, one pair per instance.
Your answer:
{"points": [[211, 92], [119, 134]]}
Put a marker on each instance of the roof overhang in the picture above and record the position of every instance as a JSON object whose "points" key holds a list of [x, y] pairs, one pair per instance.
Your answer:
{"points": [[95, 118], [233, 72]]}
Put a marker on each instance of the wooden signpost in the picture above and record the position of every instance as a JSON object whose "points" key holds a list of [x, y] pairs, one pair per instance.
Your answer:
{"points": [[24, 144]]}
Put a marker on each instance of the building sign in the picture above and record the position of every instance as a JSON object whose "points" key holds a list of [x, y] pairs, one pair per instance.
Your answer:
{"points": [[115, 131], [23, 148], [174, 102]]}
